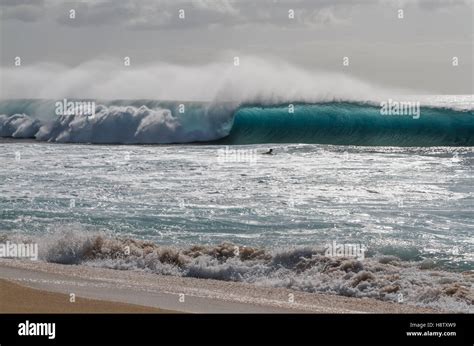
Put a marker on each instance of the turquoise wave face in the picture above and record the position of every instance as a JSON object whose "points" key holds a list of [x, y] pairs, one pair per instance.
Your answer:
{"points": [[350, 124]]}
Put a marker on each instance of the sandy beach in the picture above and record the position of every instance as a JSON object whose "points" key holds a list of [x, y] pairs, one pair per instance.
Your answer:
{"points": [[16, 298], [31, 287]]}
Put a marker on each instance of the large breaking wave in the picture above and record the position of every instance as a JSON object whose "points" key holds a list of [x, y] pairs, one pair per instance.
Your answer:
{"points": [[238, 105], [150, 121]]}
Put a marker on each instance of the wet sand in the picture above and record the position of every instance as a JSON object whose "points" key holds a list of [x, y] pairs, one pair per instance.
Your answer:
{"points": [[15, 298]]}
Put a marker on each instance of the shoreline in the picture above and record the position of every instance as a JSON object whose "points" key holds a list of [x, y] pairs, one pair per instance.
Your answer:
{"points": [[110, 290]]}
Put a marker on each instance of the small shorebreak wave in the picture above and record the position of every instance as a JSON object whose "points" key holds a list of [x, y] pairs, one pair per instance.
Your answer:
{"points": [[308, 269], [157, 122]]}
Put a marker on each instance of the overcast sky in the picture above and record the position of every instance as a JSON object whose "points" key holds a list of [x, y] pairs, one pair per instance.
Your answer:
{"points": [[414, 52]]}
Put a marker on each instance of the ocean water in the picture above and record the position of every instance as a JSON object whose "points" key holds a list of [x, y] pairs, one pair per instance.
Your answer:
{"points": [[187, 207]]}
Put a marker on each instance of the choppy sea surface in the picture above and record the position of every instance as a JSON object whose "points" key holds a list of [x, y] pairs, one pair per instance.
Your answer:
{"points": [[415, 203], [185, 209]]}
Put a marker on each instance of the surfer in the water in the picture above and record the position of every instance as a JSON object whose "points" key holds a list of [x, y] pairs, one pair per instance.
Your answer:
{"points": [[269, 152]]}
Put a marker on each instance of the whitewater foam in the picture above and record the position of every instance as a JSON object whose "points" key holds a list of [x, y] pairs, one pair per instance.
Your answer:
{"points": [[385, 278], [18, 126], [124, 124]]}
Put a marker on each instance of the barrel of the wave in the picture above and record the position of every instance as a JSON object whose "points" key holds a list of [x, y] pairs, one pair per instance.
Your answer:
{"points": [[345, 123]]}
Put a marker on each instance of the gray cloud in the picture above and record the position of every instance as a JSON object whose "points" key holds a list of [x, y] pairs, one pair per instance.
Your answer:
{"points": [[414, 52], [163, 14], [35, 3], [22, 12]]}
